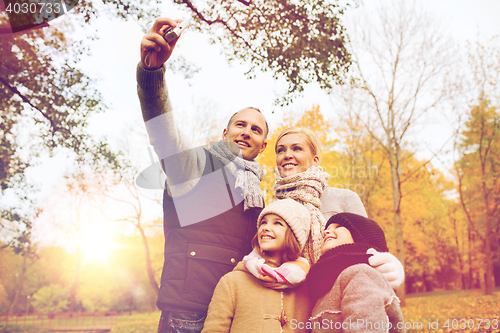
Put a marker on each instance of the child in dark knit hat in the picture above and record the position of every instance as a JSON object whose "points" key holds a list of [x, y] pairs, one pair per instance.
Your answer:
{"points": [[347, 292]]}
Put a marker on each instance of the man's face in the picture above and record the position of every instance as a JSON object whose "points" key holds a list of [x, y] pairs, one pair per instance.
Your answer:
{"points": [[247, 133]]}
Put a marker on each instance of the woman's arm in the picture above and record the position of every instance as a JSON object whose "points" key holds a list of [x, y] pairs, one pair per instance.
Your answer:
{"points": [[337, 200], [389, 266], [353, 204]]}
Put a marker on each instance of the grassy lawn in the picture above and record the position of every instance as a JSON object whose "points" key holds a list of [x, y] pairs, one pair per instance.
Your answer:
{"points": [[137, 323], [20, 328], [435, 308], [460, 311]]}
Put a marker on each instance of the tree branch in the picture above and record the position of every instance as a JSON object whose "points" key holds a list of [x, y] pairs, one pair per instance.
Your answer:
{"points": [[427, 162], [54, 127]]}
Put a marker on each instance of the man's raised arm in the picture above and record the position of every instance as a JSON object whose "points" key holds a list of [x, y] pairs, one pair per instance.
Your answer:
{"points": [[183, 164]]}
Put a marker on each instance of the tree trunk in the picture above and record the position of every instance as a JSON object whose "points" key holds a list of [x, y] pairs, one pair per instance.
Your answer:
{"points": [[149, 267], [461, 264], [74, 284], [471, 274], [488, 283], [395, 160], [489, 262], [460, 259], [400, 253], [19, 287]]}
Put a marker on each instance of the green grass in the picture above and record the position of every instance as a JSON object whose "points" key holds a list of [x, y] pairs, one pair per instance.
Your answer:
{"points": [[11, 328], [137, 323]]}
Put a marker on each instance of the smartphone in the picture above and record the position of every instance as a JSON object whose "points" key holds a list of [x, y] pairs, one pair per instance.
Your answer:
{"points": [[173, 33]]}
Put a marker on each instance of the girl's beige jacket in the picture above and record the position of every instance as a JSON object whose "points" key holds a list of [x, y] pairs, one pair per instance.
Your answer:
{"points": [[240, 304]]}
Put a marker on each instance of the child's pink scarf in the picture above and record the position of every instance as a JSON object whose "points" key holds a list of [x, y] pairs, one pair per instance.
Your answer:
{"points": [[288, 275]]}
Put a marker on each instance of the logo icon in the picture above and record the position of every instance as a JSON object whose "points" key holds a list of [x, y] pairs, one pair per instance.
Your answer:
{"points": [[151, 178], [211, 193]]}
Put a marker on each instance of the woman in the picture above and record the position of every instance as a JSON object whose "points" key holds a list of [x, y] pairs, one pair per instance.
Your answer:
{"points": [[302, 179]]}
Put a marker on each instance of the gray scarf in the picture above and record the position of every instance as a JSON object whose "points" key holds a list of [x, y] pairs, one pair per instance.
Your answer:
{"points": [[248, 174]]}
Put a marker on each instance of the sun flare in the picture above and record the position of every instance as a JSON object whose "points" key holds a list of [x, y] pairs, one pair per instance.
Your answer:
{"points": [[97, 246]]}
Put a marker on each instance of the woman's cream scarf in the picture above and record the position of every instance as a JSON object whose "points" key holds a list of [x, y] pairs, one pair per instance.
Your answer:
{"points": [[307, 187]]}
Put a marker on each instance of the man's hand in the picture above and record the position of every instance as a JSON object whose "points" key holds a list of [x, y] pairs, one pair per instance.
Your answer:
{"points": [[389, 266], [155, 51]]}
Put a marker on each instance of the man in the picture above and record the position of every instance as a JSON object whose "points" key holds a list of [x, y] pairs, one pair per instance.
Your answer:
{"points": [[212, 198]]}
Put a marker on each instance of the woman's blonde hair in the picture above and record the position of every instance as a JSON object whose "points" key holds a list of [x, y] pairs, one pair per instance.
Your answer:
{"points": [[311, 139], [291, 250]]}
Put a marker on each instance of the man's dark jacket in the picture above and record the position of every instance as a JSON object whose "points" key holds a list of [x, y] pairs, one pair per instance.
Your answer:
{"points": [[199, 254]]}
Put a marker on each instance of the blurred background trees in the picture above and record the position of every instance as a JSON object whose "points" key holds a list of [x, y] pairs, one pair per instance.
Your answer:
{"points": [[478, 172], [401, 55], [477, 151]]}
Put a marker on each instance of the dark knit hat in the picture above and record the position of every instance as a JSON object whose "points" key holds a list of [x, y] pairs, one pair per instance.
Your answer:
{"points": [[362, 229]]}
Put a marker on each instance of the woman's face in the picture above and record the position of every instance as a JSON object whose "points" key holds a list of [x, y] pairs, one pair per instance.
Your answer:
{"points": [[293, 155]]}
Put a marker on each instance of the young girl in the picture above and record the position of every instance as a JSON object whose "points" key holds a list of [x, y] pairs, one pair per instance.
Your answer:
{"points": [[241, 303]]}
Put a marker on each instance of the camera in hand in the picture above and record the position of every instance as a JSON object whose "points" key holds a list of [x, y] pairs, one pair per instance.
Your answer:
{"points": [[173, 33]]}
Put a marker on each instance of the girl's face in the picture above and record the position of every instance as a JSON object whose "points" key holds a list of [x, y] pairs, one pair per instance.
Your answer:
{"points": [[293, 155], [334, 236], [271, 234]]}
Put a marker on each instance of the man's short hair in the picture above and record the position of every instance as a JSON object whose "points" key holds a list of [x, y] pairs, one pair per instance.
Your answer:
{"points": [[266, 130]]}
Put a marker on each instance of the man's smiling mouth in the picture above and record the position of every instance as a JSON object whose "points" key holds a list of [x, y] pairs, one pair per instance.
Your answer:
{"points": [[242, 143]]}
